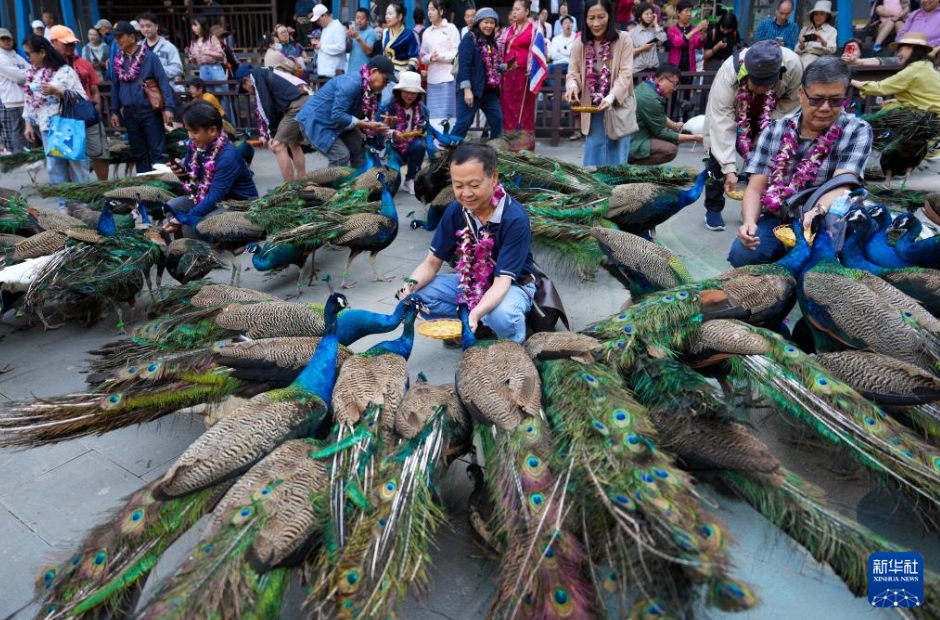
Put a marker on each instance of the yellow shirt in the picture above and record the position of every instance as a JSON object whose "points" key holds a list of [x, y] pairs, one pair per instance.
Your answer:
{"points": [[916, 86], [210, 98]]}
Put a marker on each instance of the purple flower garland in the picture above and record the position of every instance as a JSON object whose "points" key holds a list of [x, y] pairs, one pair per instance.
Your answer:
{"points": [[744, 99], [491, 60], [133, 72], [779, 189], [370, 100], [208, 166], [35, 99], [598, 85], [474, 264], [264, 129], [401, 125]]}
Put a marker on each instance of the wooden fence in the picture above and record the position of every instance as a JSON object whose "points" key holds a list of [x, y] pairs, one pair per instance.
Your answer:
{"points": [[553, 114]]}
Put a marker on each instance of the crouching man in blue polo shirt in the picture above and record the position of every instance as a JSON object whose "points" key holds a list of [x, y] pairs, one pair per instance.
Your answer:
{"points": [[485, 232]]}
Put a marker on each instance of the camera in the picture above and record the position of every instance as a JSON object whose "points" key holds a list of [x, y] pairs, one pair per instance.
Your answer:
{"points": [[810, 37]]}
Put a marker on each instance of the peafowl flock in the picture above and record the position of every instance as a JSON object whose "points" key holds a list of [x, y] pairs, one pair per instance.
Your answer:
{"points": [[322, 477]]}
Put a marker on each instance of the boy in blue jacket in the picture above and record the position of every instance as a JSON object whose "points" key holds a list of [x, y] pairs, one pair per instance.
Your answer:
{"points": [[211, 171]]}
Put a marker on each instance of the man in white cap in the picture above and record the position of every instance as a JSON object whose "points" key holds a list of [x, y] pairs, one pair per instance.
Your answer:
{"points": [[331, 46], [12, 75], [39, 27], [96, 143], [751, 88]]}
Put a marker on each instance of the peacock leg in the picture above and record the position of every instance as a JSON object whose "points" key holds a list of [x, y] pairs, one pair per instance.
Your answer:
{"points": [[313, 268], [349, 260], [147, 280], [375, 269], [236, 268], [45, 323], [889, 174]]}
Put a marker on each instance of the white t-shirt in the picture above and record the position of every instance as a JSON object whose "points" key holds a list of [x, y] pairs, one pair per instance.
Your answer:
{"points": [[560, 48], [332, 53]]}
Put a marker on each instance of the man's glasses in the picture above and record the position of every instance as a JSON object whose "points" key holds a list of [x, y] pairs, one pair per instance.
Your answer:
{"points": [[834, 102]]}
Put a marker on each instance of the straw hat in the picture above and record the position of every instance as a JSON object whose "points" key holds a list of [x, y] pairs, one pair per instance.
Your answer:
{"points": [[912, 38], [410, 82]]}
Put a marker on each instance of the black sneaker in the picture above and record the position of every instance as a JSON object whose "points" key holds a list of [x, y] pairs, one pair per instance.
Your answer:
{"points": [[714, 221]]}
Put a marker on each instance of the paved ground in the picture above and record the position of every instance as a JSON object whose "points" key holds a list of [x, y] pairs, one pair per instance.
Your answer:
{"points": [[50, 496]]}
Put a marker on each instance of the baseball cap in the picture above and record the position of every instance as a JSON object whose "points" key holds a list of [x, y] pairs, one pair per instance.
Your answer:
{"points": [[37, 23], [5, 34], [63, 34], [123, 27], [763, 61], [103, 23], [384, 65], [318, 12]]}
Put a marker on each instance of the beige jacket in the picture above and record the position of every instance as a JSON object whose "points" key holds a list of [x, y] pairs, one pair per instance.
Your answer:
{"points": [[721, 124], [621, 72]]}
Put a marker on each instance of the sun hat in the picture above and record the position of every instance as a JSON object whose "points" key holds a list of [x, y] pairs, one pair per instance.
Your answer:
{"points": [[410, 82], [822, 6], [912, 38]]}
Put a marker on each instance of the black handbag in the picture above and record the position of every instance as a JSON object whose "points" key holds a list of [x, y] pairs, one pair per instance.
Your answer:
{"points": [[547, 308], [81, 109]]}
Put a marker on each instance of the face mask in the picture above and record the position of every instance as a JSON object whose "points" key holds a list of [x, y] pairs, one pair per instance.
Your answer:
{"points": [[278, 46]]}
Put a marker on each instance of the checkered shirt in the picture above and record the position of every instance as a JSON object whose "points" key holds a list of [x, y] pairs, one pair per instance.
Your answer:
{"points": [[849, 153]]}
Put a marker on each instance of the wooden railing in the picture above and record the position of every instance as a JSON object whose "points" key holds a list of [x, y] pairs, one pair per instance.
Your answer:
{"points": [[553, 118]]}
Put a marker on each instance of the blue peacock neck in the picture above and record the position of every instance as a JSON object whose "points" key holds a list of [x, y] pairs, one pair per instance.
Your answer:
{"points": [[467, 337], [319, 375], [795, 260], [403, 344]]}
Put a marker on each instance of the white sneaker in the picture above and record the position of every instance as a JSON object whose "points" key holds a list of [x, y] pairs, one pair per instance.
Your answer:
{"points": [[409, 186]]}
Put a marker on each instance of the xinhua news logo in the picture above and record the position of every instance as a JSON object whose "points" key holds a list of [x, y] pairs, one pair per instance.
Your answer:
{"points": [[895, 579]]}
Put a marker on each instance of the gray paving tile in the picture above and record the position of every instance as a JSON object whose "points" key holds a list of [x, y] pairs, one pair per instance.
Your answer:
{"points": [[62, 504], [21, 555], [141, 448], [22, 466]]}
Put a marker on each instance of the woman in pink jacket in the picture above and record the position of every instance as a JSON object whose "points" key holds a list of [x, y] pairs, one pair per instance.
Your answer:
{"points": [[683, 39]]}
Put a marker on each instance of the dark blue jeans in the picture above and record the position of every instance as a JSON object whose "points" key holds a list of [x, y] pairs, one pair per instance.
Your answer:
{"points": [[489, 104], [769, 250], [414, 157], [146, 136]]}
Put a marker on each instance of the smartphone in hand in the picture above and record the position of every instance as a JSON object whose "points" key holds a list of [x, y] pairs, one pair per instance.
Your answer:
{"points": [[810, 37]]}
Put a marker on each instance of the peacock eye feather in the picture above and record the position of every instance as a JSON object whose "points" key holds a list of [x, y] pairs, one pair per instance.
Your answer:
{"points": [[100, 558], [682, 295], [600, 427], [621, 418], [537, 500]]}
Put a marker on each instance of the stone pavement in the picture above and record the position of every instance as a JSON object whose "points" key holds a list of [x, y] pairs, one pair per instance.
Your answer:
{"points": [[50, 496]]}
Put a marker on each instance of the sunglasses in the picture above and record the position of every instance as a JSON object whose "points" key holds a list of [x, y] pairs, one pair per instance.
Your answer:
{"points": [[817, 102]]}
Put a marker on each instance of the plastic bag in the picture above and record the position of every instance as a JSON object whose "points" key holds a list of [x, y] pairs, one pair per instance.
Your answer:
{"points": [[66, 139]]}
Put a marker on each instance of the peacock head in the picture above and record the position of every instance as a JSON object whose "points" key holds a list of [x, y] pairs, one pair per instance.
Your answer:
{"points": [[413, 306], [858, 220], [880, 215], [252, 248], [906, 221]]}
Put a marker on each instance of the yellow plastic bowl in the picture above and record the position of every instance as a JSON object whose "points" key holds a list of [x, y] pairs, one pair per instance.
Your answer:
{"points": [[440, 329], [786, 236]]}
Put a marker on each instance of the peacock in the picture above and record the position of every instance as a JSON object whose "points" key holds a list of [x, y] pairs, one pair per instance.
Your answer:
{"points": [[229, 233], [855, 309], [921, 284], [903, 136], [909, 247], [641, 207], [877, 247], [640, 265], [190, 259], [274, 258]]}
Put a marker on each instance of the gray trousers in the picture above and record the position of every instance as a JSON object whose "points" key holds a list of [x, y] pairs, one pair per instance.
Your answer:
{"points": [[13, 129], [347, 150]]}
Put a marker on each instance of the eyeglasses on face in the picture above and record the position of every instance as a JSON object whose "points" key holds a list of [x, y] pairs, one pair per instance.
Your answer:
{"points": [[834, 102]]}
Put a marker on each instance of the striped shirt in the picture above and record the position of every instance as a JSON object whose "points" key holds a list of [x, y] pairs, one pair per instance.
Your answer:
{"points": [[849, 153], [769, 30]]}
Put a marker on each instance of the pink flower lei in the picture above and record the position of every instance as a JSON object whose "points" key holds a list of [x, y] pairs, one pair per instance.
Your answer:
{"points": [[492, 58], [401, 125], [133, 72], [35, 98], [656, 87], [744, 99], [598, 85], [370, 100], [474, 264], [779, 188], [205, 170], [263, 125]]}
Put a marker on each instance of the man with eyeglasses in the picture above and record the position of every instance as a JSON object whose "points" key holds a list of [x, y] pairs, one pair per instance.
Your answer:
{"points": [[751, 88], [799, 151], [657, 139]]}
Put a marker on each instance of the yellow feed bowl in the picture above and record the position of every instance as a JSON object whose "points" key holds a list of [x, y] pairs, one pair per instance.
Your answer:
{"points": [[787, 237], [735, 194], [585, 109], [440, 329]]}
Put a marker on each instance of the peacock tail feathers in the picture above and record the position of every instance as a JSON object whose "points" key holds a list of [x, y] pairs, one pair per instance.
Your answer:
{"points": [[127, 402], [94, 191], [619, 466], [9, 163], [570, 244], [543, 565], [116, 556], [535, 171], [803, 388], [663, 175], [642, 266], [14, 217]]}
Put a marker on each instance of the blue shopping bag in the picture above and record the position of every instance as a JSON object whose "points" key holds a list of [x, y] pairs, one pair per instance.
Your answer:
{"points": [[66, 138]]}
